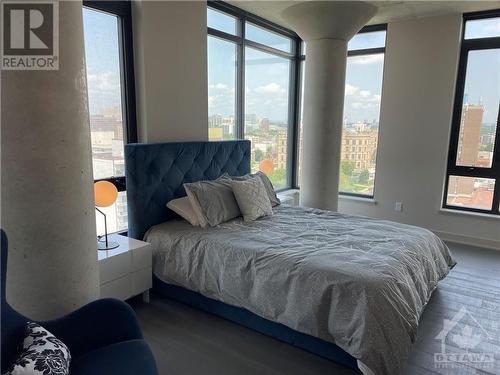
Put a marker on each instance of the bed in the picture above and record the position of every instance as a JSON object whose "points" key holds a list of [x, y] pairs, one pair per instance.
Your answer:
{"points": [[348, 288]]}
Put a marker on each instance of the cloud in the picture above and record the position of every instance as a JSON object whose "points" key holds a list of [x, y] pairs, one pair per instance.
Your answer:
{"points": [[270, 88], [366, 60], [357, 98], [103, 90], [350, 89], [103, 82]]}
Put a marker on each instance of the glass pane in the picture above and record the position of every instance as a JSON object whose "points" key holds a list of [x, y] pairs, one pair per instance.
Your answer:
{"points": [[479, 109], [102, 54], [269, 38], [104, 90], [116, 215], [470, 192], [361, 123], [301, 120], [266, 113], [485, 28], [375, 39], [221, 21], [221, 89]]}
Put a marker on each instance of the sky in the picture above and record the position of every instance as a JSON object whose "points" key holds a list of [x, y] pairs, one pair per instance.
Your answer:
{"points": [[102, 60], [267, 76]]}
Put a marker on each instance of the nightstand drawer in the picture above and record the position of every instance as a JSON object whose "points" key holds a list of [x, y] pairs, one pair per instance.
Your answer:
{"points": [[119, 288], [142, 280], [142, 258], [115, 267]]}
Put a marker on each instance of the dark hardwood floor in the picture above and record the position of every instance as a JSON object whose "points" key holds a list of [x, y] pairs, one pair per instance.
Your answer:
{"points": [[188, 341]]}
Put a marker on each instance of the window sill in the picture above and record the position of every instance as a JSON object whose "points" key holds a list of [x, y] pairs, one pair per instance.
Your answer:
{"points": [[358, 199], [448, 211]]}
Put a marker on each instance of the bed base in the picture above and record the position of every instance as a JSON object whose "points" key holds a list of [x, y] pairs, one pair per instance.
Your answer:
{"points": [[247, 319]]}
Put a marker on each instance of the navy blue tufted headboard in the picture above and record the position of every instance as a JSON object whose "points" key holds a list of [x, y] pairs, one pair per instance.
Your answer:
{"points": [[155, 174]]}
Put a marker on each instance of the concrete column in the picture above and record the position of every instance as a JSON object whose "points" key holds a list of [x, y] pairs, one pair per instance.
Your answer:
{"points": [[326, 27], [46, 179]]}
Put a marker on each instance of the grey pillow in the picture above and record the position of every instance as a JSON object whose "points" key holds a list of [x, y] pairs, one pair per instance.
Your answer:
{"points": [[268, 185], [184, 208], [213, 201], [252, 198]]}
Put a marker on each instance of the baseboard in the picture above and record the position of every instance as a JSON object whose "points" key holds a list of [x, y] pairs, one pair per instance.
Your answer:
{"points": [[468, 240]]}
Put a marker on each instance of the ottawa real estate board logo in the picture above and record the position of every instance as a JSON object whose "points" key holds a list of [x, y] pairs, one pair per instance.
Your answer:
{"points": [[30, 35]]}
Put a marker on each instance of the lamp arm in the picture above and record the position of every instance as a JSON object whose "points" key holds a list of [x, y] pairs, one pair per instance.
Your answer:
{"points": [[105, 225]]}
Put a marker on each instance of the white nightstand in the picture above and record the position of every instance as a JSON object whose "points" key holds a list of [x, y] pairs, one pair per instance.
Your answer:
{"points": [[127, 270]]}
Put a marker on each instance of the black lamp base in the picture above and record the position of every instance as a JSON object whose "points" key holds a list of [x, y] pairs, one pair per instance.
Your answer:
{"points": [[101, 245]]}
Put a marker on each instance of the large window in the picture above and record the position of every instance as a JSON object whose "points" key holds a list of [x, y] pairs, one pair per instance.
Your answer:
{"points": [[365, 66], [252, 91], [108, 55], [363, 90], [473, 177]]}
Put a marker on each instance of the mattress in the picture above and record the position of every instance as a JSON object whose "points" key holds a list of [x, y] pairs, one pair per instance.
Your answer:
{"points": [[358, 282]]}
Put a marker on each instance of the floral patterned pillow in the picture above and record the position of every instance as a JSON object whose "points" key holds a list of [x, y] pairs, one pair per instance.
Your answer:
{"points": [[41, 354]]}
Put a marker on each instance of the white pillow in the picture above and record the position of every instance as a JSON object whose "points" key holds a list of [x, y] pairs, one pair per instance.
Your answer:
{"points": [[42, 353], [183, 208], [252, 198]]}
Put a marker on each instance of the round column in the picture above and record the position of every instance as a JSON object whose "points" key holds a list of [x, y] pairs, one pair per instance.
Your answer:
{"points": [[326, 27], [47, 195]]}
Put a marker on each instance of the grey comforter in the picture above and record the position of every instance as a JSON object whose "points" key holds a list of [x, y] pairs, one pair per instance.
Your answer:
{"points": [[360, 283]]}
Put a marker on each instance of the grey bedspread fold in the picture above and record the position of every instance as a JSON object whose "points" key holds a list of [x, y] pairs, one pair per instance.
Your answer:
{"points": [[358, 282]]}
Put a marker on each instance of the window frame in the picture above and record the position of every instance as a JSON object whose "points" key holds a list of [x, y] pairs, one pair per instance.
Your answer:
{"points": [[452, 168], [359, 52], [123, 11], [293, 56]]}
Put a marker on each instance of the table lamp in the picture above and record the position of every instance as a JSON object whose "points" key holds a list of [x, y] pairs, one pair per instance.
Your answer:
{"points": [[105, 194]]}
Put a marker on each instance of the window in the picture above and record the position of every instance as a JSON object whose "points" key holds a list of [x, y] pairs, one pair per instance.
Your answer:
{"points": [[473, 173], [365, 65], [252, 91], [110, 82], [221, 89]]}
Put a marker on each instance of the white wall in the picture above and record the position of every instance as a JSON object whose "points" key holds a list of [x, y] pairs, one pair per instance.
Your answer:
{"points": [[417, 101], [170, 47]]}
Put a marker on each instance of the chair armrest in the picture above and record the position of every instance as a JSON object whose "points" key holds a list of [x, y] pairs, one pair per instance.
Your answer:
{"points": [[95, 325]]}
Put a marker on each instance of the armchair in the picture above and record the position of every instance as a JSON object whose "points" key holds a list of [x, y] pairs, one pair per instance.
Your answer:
{"points": [[103, 336]]}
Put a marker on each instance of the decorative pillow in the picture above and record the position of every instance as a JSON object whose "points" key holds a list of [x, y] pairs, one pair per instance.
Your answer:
{"points": [[42, 354], [267, 184], [213, 201], [183, 208], [252, 198]]}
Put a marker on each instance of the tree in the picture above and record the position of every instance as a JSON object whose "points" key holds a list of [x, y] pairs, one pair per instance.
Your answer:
{"points": [[347, 167], [364, 176], [259, 155]]}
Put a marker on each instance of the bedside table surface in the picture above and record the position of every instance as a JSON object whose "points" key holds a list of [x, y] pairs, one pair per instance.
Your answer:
{"points": [[126, 244]]}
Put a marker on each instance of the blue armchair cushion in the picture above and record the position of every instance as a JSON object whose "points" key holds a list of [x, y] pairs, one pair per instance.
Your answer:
{"points": [[128, 357], [41, 354]]}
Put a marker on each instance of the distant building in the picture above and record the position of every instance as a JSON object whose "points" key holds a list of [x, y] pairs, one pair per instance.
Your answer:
{"points": [[469, 144], [108, 160], [264, 124], [282, 150], [360, 147], [215, 134]]}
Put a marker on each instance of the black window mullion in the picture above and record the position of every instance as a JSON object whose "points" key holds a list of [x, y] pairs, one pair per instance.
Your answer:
{"points": [[493, 172], [294, 80], [240, 83], [122, 10]]}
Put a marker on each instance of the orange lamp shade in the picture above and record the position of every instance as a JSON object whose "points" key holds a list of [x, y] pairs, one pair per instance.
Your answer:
{"points": [[266, 166], [105, 193]]}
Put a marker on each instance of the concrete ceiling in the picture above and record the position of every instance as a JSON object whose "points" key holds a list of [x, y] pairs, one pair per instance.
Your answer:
{"points": [[388, 11]]}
